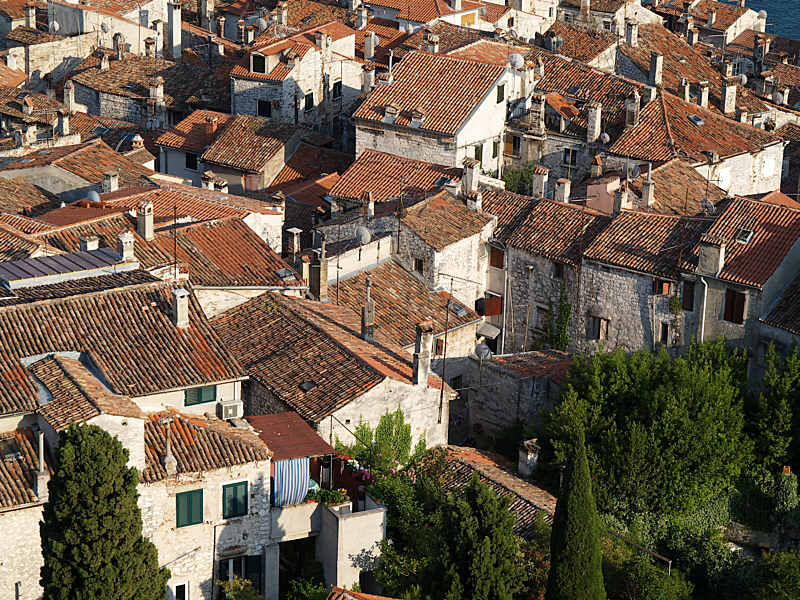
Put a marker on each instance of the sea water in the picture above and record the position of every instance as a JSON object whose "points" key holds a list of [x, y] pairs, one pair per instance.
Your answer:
{"points": [[783, 16]]}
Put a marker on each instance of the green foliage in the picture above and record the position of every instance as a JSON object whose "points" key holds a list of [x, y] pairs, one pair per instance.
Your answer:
{"points": [[630, 574], [385, 447], [519, 181], [239, 589], [536, 559], [781, 387], [675, 305], [92, 541], [576, 560], [559, 332], [336, 496], [779, 576], [306, 589], [786, 493], [664, 435]]}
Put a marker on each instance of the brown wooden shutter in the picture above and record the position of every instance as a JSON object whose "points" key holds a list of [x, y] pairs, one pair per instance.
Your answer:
{"points": [[494, 305]]}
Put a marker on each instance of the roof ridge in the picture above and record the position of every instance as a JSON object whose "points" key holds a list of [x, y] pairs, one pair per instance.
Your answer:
{"points": [[58, 229], [668, 129], [58, 359]]}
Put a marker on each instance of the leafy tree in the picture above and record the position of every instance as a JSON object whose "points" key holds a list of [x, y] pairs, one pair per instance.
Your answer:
{"points": [[92, 541], [385, 447], [519, 181], [239, 589], [576, 560], [779, 576], [536, 559], [638, 578], [781, 387]]}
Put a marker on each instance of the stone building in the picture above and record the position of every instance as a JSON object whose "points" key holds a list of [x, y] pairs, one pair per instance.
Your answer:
{"points": [[594, 47], [608, 15], [327, 368], [714, 22]]}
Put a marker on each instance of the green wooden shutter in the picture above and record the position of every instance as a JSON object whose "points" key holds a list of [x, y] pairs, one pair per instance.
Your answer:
{"points": [[234, 500], [189, 508], [197, 506]]}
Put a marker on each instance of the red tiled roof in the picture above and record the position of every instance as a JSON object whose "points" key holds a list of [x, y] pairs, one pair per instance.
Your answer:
{"points": [[311, 162], [606, 6], [580, 43], [785, 313], [547, 363], [386, 176], [15, 9], [492, 13], [28, 36], [18, 474], [488, 51], [450, 37], [21, 197], [679, 189], [24, 224], [248, 142], [424, 11], [11, 77], [789, 132], [389, 38], [74, 287], [16, 245], [45, 109], [198, 444], [401, 301], [190, 134], [443, 220], [775, 230], [338, 593], [303, 202], [445, 89], [128, 334], [781, 199], [287, 435]]}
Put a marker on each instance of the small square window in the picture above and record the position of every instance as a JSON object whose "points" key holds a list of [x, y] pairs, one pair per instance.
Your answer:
{"points": [[418, 265], [234, 500], [597, 328], [660, 287], [510, 21], [734, 306], [264, 108], [259, 64], [189, 508], [497, 257], [181, 593], [336, 92], [200, 395], [191, 161], [570, 157], [501, 92], [309, 102]]}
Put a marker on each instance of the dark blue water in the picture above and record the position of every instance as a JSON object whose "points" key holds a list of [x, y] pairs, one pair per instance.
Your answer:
{"points": [[783, 16]]}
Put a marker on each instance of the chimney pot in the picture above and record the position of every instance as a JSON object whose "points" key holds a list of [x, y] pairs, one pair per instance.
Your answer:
{"points": [[180, 308], [110, 181], [729, 95], [125, 243], [470, 176], [145, 220], [594, 121], [104, 62], [703, 99], [362, 17], [174, 25], [319, 274], [632, 106], [631, 33], [422, 352], [539, 181], [563, 188], [712, 257], [87, 244], [221, 26], [683, 89], [656, 69]]}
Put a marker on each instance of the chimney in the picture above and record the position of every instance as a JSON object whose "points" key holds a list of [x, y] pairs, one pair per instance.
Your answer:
{"points": [[631, 32], [649, 189], [621, 199], [283, 13], [241, 30], [370, 206], [211, 128], [87, 244], [150, 47], [319, 274], [563, 188], [368, 315], [422, 352], [63, 122], [741, 3], [180, 308], [703, 99], [632, 109], [475, 201], [137, 143], [221, 26], [125, 247], [683, 89], [144, 220], [174, 26], [362, 17], [104, 62], [726, 68], [456, 5], [712, 256], [539, 181], [712, 18], [431, 43], [207, 13], [69, 96], [593, 121], [119, 45], [586, 8], [470, 176], [596, 170], [30, 14], [370, 43], [249, 34], [528, 457], [656, 69], [729, 95], [217, 47], [110, 181], [367, 79], [157, 90], [294, 242], [692, 35], [42, 477], [207, 179]]}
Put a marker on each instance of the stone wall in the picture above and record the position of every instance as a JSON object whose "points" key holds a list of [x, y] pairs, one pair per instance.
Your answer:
{"points": [[56, 58], [21, 558], [258, 400], [405, 142]]}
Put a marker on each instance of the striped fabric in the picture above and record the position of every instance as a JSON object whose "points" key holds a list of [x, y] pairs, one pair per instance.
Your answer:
{"points": [[291, 481]]}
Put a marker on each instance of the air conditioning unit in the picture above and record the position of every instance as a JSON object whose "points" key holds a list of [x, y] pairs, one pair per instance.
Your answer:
{"points": [[231, 409]]}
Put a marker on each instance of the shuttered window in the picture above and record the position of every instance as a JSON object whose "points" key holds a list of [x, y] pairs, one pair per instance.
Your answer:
{"points": [[234, 500], [734, 306], [189, 508], [496, 257], [494, 305], [688, 295], [200, 395]]}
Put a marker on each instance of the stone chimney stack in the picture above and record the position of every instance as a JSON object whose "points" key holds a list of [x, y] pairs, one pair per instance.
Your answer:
{"points": [[596, 170], [63, 122], [703, 99], [712, 18], [110, 181], [293, 248], [145, 221], [632, 106], [370, 43], [30, 14], [683, 89], [631, 32], [729, 95], [42, 476], [368, 315], [563, 188], [240, 28], [157, 90], [586, 7], [370, 206], [221, 26], [69, 96], [319, 274], [87, 244], [174, 26], [367, 78], [119, 45], [593, 121], [125, 243], [180, 308], [211, 124], [422, 352], [283, 13], [656, 69], [539, 181], [104, 63], [207, 13], [150, 47], [712, 256], [362, 17], [649, 189], [470, 176], [693, 36], [622, 200]]}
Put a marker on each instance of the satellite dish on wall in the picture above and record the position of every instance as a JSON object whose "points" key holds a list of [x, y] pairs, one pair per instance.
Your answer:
{"points": [[516, 61], [743, 79], [605, 138], [483, 351], [93, 196], [56, 26], [363, 235]]}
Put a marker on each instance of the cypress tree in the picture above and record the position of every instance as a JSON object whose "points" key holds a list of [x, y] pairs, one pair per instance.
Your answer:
{"points": [[576, 563], [92, 541]]}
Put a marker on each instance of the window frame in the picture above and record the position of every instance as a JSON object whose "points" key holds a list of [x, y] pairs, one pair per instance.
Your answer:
{"points": [[735, 304], [196, 161], [664, 334], [687, 293], [188, 494], [262, 60], [572, 161], [501, 93], [185, 585], [660, 287], [261, 102], [337, 85], [495, 149], [308, 102], [478, 152], [237, 484], [200, 390], [497, 257], [599, 329], [419, 266]]}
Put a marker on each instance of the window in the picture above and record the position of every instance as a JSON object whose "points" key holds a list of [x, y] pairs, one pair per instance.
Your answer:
{"points": [[309, 102], [496, 257], [336, 92], [418, 265], [688, 295], [568, 18], [200, 395], [243, 567], [501, 92], [234, 500], [495, 149], [512, 145], [597, 328], [660, 287], [264, 108], [181, 592], [191, 161], [467, 20], [607, 25], [438, 347], [558, 271], [734, 307], [570, 156], [457, 383], [542, 318], [664, 334], [494, 304], [550, 12], [479, 152], [189, 508], [259, 64], [510, 21]]}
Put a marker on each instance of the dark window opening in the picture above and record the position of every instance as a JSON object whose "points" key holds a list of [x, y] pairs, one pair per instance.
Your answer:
{"points": [[264, 108], [243, 567], [496, 257], [419, 265], [558, 270], [660, 287], [665, 333], [180, 591], [597, 328], [457, 383], [439, 347], [734, 307], [479, 152], [570, 156], [259, 64], [309, 102], [688, 295], [337, 89], [495, 149], [501, 93], [191, 161]]}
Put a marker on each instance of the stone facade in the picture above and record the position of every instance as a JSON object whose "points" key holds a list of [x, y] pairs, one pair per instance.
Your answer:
{"points": [[55, 58], [21, 558]]}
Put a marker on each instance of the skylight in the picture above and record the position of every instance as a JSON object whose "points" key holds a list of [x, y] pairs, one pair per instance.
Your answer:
{"points": [[696, 120], [9, 449], [307, 386], [744, 235], [459, 309]]}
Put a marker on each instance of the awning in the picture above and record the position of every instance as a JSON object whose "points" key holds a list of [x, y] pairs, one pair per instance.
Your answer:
{"points": [[488, 330], [291, 481]]}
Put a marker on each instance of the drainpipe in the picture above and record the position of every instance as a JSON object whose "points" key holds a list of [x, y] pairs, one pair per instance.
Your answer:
{"points": [[505, 299], [703, 311]]}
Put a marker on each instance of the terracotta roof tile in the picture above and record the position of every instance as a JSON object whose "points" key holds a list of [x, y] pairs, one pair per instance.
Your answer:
{"points": [[112, 131], [248, 142], [311, 162], [15, 9], [580, 43], [74, 287], [785, 312], [386, 176], [389, 38], [488, 51], [287, 435], [789, 132], [338, 593], [198, 444], [11, 77], [781, 199], [606, 6], [443, 220], [445, 89], [28, 36], [726, 13], [18, 474], [679, 189], [21, 197], [401, 301], [547, 363], [16, 245], [44, 108], [450, 37], [24, 224], [303, 202], [191, 134], [127, 333]]}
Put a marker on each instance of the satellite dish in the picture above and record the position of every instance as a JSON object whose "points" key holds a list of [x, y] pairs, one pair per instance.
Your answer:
{"points": [[516, 61], [93, 196], [363, 235], [104, 27], [605, 138], [56, 26], [483, 351], [743, 79], [762, 14], [262, 24]]}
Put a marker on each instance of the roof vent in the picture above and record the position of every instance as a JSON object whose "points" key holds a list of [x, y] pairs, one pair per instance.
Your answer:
{"points": [[696, 120], [744, 235], [390, 113], [458, 309], [285, 274], [9, 449], [307, 386]]}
